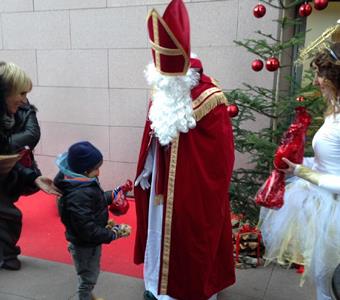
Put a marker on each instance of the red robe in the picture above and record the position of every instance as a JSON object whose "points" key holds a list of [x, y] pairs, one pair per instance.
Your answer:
{"points": [[197, 250]]}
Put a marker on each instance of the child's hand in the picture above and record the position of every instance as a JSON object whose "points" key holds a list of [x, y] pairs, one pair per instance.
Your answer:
{"points": [[110, 224], [121, 230]]}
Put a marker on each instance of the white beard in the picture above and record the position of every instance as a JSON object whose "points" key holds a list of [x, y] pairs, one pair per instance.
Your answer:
{"points": [[171, 110]]}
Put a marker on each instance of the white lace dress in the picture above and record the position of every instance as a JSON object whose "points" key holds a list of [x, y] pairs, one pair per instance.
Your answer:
{"points": [[306, 230]]}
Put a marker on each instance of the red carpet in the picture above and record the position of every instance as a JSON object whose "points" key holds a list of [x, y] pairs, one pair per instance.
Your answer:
{"points": [[43, 236]]}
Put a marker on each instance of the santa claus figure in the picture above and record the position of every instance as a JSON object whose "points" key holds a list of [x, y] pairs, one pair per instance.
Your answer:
{"points": [[185, 163]]}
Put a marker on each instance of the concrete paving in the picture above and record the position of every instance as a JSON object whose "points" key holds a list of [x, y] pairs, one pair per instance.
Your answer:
{"points": [[45, 280]]}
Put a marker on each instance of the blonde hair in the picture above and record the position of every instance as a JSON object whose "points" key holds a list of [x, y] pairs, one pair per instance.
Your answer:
{"points": [[13, 80]]}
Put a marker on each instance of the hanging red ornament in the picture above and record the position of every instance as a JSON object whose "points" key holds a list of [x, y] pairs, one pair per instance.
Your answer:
{"points": [[272, 64], [232, 110], [305, 9], [300, 99], [259, 11], [257, 65], [320, 4]]}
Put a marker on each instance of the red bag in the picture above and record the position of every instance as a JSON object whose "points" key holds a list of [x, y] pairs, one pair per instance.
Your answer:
{"points": [[120, 205], [291, 147], [27, 160], [293, 141], [26, 157]]}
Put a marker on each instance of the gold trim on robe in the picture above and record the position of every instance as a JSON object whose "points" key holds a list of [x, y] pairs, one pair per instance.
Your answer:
{"points": [[156, 37], [207, 101], [202, 105], [168, 217]]}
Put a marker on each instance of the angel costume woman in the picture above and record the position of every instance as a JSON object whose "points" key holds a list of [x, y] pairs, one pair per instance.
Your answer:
{"points": [[306, 230]]}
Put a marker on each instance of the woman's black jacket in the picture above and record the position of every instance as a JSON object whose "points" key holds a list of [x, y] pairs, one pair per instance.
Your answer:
{"points": [[25, 132]]}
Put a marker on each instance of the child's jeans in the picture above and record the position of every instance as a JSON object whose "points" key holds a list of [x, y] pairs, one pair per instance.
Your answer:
{"points": [[87, 263]]}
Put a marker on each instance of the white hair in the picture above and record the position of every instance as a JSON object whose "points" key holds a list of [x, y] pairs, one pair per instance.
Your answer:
{"points": [[171, 110]]}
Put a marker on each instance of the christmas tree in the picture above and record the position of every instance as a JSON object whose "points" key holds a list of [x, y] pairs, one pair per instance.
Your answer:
{"points": [[277, 105]]}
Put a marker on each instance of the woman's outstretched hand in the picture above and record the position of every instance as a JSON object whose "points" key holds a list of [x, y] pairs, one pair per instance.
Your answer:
{"points": [[46, 184], [291, 167]]}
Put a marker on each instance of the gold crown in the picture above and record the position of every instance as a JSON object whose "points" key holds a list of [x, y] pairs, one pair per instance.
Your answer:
{"points": [[329, 36]]}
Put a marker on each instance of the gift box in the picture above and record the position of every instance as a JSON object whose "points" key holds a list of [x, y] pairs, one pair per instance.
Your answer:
{"points": [[248, 245]]}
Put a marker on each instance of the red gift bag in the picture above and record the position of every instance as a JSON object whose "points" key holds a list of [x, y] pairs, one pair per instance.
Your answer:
{"points": [[120, 205], [291, 147]]}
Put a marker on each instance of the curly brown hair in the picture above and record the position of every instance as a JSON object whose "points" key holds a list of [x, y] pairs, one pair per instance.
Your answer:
{"points": [[327, 64]]}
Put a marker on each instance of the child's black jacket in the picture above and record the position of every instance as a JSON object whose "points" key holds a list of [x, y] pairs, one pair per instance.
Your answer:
{"points": [[83, 209]]}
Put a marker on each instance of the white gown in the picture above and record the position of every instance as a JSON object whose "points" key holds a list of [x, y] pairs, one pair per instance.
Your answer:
{"points": [[306, 230]]}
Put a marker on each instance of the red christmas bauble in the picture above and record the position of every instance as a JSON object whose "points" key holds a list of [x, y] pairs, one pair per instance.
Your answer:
{"points": [[320, 4], [259, 11], [300, 99], [257, 65], [305, 10], [232, 110], [272, 64]]}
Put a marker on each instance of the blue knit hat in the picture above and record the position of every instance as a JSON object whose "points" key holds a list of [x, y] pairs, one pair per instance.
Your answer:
{"points": [[83, 156]]}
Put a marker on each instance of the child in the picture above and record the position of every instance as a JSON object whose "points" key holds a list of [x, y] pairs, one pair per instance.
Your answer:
{"points": [[83, 209]]}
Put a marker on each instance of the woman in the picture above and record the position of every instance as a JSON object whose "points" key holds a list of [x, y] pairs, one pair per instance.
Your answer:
{"points": [[18, 128], [306, 230]]}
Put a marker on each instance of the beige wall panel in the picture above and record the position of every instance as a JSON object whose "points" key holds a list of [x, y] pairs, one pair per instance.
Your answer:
{"points": [[87, 60], [126, 68], [1, 42], [213, 23], [47, 165], [16, 5], [109, 28], [73, 68], [72, 105], [67, 4], [231, 66], [113, 174], [242, 160], [248, 24], [57, 137], [125, 143], [37, 149], [43, 30], [128, 107], [26, 59], [117, 3]]}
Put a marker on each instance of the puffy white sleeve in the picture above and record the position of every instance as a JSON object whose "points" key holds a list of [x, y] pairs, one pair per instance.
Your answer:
{"points": [[329, 182], [308, 162]]}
